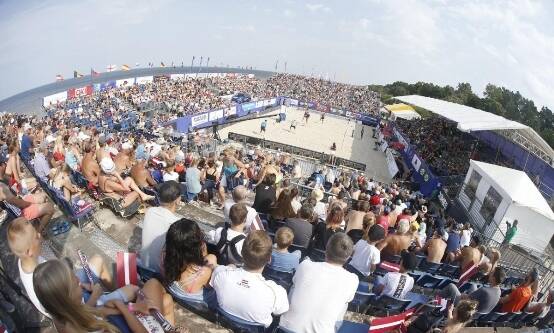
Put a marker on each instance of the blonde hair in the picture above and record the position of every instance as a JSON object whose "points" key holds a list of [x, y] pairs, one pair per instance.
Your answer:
{"points": [[284, 237], [17, 233], [51, 280]]}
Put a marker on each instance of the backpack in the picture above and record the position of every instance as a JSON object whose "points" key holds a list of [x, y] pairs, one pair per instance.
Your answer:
{"points": [[227, 250]]}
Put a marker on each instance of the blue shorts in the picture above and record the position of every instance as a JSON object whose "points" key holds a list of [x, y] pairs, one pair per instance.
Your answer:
{"points": [[103, 299]]}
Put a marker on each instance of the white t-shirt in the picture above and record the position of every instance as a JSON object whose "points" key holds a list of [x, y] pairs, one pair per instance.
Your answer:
{"points": [[253, 221], [465, 238], [296, 205], [320, 210], [319, 297], [214, 236], [364, 256], [247, 295], [27, 281], [171, 176], [392, 288], [157, 221]]}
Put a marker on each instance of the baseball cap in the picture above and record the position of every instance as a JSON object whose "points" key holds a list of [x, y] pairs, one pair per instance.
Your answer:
{"points": [[107, 165], [408, 259]]}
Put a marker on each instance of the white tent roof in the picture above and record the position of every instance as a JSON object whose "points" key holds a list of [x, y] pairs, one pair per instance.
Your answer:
{"points": [[516, 185], [472, 119]]}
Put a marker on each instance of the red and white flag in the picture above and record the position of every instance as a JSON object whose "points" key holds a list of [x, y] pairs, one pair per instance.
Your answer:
{"points": [[111, 68], [126, 268], [59, 77], [94, 73], [390, 323]]}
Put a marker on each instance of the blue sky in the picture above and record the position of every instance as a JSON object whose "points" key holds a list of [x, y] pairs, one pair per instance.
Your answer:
{"points": [[505, 42]]}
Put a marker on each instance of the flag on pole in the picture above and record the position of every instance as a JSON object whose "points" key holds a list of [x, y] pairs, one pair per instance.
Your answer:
{"points": [[111, 68], [162, 64], [208, 62], [276, 64], [94, 73], [77, 74], [125, 67], [59, 77]]}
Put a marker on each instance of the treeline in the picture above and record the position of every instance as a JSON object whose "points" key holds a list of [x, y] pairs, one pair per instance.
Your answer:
{"points": [[498, 100]]}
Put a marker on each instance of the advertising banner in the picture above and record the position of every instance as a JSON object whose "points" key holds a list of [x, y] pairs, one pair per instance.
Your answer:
{"points": [[177, 76], [384, 145], [190, 76], [144, 79], [199, 119], [215, 115], [78, 92], [273, 101], [259, 104], [230, 111], [54, 99], [391, 163], [248, 106], [125, 82], [161, 78]]}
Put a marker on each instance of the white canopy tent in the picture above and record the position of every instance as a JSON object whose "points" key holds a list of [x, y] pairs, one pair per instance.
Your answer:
{"points": [[471, 119], [494, 194]]}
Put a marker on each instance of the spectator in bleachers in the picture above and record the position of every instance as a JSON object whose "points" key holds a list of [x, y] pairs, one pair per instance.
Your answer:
{"points": [[487, 297], [33, 206], [435, 247], [157, 221], [187, 265], [244, 292], [281, 259], [454, 237], [465, 238], [140, 174], [123, 160], [355, 218], [302, 226], [73, 156], [357, 234], [459, 316], [169, 172], [60, 179], [113, 185], [312, 311], [59, 290], [25, 242], [232, 169], [366, 255], [395, 243], [89, 165], [397, 284], [14, 178], [265, 196], [26, 143], [239, 196], [541, 309], [468, 255], [520, 296], [324, 230], [230, 238], [40, 162], [283, 207], [193, 180], [319, 208]]}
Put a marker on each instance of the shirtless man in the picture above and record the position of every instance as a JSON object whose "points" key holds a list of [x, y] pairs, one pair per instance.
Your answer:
{"points": [[268, 168], [435, 247], [13, 166], [89, 166], [355, 219], [32, 206], [468, 254], [123, 161], [140, 174], [393, 244], [102, 151], [111, 184]]}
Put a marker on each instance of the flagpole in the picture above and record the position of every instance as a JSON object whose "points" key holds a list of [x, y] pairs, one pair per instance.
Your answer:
{"points": [[192, 64], [208, 62], [199, 66]]}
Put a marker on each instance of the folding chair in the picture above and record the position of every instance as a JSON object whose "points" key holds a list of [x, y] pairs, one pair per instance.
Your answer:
{"points": [[283, 279], [428, 281], [449, 270], [362, 298], [389, 323]]}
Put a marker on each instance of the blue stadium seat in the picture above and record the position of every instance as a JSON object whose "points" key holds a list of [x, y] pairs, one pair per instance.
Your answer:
{"points": [[489, 318], [352, 327], [390, 305], [429, 267], [317, 255], [362, 298], [283, 279], [428, 281], [238, 324]]}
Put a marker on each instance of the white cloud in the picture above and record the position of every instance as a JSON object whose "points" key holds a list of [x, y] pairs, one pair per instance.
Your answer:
{"points": [[316, 7]]}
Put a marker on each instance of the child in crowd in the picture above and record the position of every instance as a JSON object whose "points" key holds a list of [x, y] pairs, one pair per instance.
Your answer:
{"points": [[366, 256], [229, 240], [281, 259]]}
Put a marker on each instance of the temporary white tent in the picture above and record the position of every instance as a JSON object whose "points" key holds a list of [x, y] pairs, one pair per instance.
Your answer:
{"points": [[470, 119], [494, 194]]}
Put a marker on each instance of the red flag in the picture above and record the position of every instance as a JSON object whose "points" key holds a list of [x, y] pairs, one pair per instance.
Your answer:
{"points": [[469, 271], [126, 264], [389, 266], [94, 73], [390, 323]]}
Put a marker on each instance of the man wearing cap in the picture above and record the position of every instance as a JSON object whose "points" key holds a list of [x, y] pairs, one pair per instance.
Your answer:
{"points": [[319, 209], [397, 284], [111, 183]]}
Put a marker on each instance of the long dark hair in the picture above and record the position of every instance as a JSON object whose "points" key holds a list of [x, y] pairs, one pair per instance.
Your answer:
{"points": [[283, 207], [183, 247]]}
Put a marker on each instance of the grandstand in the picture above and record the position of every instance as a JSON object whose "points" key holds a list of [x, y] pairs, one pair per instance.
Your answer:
{"points": [[131, 152]]}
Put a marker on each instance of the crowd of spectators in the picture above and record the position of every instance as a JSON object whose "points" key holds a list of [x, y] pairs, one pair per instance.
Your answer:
{"points": [[329, 239], [190, 96]]}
